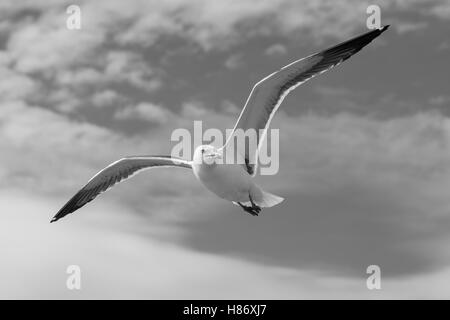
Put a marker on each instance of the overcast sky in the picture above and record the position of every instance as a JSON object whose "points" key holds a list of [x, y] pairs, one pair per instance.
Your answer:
{"points": [[365, 150]]}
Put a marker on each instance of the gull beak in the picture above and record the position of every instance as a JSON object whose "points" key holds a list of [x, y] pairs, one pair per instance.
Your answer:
{"points": [[213, 155], [216, 155]]}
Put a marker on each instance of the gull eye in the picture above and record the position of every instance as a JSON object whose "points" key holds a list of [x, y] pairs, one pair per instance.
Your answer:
{"points": [[203, 150]]}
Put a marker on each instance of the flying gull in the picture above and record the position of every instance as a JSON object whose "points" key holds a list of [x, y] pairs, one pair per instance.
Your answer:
{"points": [[233, 182]]}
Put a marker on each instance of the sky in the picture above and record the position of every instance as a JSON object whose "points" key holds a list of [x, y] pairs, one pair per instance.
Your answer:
{"points": [[364, 150]]}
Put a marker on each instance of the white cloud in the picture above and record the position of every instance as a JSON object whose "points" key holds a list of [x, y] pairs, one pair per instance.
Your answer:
{"points": [[118, 261], [115, 68], [443, 46], [116, 264], [276, 50], [441, 9], [407, 155], [230, 108], [234, 61], [95, 56], [113, 264], [53, 46], [440, 100], [129, 67], [53, 150], [79, 77], [107, 98], [145, 111], [16, 85], [194, 110], [405, 27]]}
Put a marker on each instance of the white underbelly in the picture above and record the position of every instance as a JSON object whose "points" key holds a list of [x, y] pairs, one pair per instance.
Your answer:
{"points": [[228, 181]]}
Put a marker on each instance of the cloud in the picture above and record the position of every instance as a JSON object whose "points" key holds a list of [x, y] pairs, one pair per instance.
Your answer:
{"points": [[53, 47], [441, 10], [128, 265], [358, 192], [111, 49], [234, 61], [194, 110], [220, 25], [276, 50], [69, 65], [145, 111], [112, 263], [107, 97], [50, 153], [122, 66], [31, 130], [209, 24], [230, 108], [17, 86], [87, 86], [405, 27], [443, 46], [440, 100]]}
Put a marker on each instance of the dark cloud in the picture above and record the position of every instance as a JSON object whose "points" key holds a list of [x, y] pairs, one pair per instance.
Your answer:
{"points": [[339, 232]]}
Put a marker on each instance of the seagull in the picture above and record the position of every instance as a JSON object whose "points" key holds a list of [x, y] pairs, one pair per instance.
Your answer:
{"points": [[232, 182]]}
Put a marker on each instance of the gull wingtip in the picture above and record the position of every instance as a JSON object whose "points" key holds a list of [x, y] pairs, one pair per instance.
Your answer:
{"points": [[56, 217]]}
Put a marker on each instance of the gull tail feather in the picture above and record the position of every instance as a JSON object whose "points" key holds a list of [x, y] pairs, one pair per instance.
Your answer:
{"points": [[269, 200]]}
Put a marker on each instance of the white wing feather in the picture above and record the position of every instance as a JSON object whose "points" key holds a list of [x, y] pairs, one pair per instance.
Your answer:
{"points": [[268, 94], [114, 173]]}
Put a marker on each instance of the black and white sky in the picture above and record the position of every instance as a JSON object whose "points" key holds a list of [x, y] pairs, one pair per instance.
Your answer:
{"points": [[364, 163]]}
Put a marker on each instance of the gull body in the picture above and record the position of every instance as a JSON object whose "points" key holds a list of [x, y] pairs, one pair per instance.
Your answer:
{"points": [[229, 181], [232, 182]]}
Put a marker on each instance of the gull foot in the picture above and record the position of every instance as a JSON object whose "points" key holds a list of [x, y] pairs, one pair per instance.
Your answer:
{"points": [[254, 210]]}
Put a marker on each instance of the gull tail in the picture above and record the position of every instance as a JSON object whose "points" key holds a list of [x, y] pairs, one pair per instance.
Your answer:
{"points": [[269, 200]]}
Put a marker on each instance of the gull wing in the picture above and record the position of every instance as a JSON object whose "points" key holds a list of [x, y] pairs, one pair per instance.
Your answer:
{"points": [[267, 95], [114, 173]]}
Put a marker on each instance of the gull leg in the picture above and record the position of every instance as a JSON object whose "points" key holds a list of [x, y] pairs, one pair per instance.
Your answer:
{"points": [[254, 206], [250, 210]]}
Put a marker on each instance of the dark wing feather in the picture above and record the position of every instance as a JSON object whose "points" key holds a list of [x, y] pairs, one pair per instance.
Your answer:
{"points": [[113, 174]]}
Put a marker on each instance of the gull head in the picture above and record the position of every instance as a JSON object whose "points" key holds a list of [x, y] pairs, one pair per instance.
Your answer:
{"points": [[206, 154]]}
